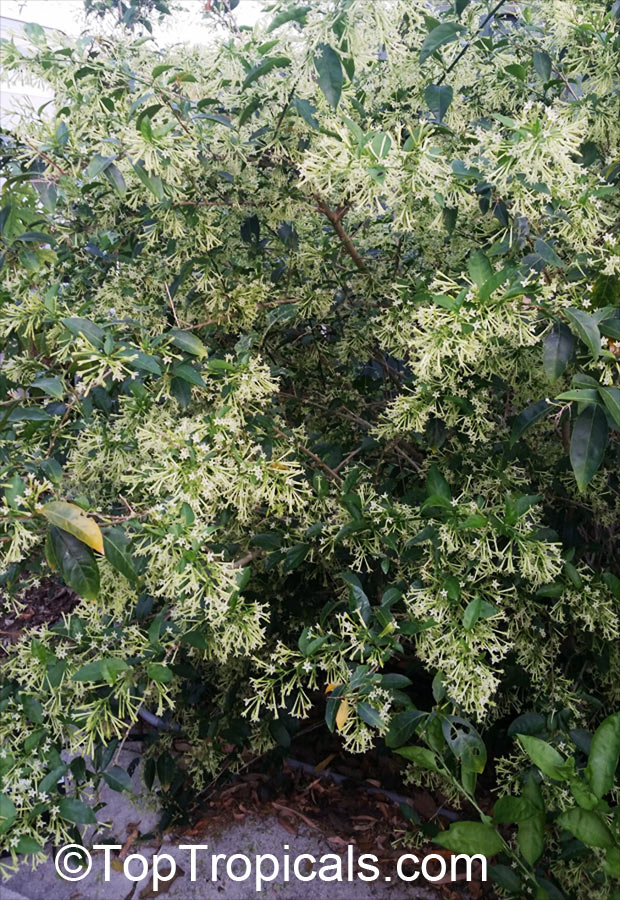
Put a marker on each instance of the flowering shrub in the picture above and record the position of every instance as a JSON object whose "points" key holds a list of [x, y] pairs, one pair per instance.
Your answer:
{"points": [[311, 388]]}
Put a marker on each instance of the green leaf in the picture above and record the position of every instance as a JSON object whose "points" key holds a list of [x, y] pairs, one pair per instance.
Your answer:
{"points": [[139, 360], [296, 14], [52, 386], [117, 779], [558, 350], [440, 35], [581, 395], [85, 328], [583, 795], [295, 556], [436, 484], [402, 726], [96, 166], [76, 811], [611, 399], [101, 670], [542, 64], [471, 837], [610, 328], [381, 144], [479, 267], [421, 756], [116, 179], [27, 845], [76, 563], [531, 838], [527, 723], [49, 784], [8, 813], [586, 329], [472, 613], [588, 442], [306, 110], [329, 71], [604, 754], [33, 709], [187, 342], [152, 182], [160, 674], [438, 99], [530, 415], [506, 878], [369, 714], [587, 826], [548, 254], [264, 67], [116, 549], [189, 374], [545, 757], [510, 809]]}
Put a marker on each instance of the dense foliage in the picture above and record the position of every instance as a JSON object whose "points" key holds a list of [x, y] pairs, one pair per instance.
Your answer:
{"points": [[311, 391]]}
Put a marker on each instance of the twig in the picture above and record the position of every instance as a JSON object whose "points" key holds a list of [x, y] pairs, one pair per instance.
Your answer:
{"points": [[334, 217], [172, 307], [317, 459], [48, 159]]}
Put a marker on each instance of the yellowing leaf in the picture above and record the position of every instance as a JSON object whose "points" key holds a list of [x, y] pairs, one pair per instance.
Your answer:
{"points": [[342, 715], [71, 518], [331, 686]]}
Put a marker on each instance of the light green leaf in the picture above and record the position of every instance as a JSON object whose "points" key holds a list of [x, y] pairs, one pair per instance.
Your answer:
{"points": [[587, 826], [471, 837], [545, 757]]}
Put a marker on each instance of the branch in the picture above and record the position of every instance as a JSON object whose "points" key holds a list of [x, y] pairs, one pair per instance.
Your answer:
{"points": [[462, 53], [334, 217]]}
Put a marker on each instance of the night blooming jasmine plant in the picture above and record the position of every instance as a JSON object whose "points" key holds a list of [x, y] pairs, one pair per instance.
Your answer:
{"points": [[310, 396]]}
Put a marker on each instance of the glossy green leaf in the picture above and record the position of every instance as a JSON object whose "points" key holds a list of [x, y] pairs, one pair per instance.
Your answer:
{"points": [[588, 442], [76, 563], [329, 71], [116, 549], [558, 350], [611, 399], [438, 99], [585, 327], [264, 67], [76, 811], [604, 754], [440, 35]]}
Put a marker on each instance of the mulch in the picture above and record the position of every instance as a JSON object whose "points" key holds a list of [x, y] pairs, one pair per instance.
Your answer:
{"points": [[43, 605]]}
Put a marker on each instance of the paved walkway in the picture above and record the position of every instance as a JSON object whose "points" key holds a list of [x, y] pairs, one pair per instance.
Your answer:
{"points": [[250, 837]]}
